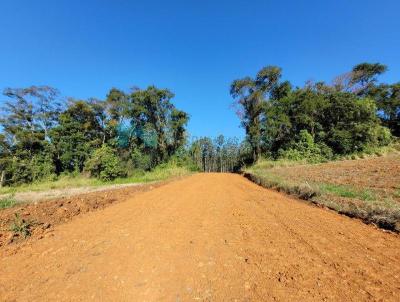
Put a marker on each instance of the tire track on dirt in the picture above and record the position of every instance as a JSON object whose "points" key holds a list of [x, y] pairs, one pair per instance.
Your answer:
{"points": [[209, 237]]}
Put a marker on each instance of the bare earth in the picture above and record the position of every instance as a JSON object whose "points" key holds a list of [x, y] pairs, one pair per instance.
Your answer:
{"points": [[46, 214], [208, 237]]}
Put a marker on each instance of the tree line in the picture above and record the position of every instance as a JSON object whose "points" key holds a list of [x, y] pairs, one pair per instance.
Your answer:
{"points": [[43, 136], [217, 155], [318, 121]]}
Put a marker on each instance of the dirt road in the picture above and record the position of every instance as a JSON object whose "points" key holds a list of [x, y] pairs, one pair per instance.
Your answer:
{"points": [[209, 237]]}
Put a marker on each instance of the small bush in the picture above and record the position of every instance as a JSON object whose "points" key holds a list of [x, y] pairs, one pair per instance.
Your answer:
{"points": [[21, 226], [43, 168], [104, 164], [381, 136], [141, 161], [27, 169], [306, 191], [306, 149]]}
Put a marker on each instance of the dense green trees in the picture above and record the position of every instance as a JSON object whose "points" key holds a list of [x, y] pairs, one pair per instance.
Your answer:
{"points": [[76, 135], [387, 98], [43, 137], [154, 115], [348, 116], [250, 95], [29, 114]]}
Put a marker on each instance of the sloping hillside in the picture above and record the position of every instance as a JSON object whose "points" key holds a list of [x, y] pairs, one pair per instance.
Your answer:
{"points": [[365, 188]]}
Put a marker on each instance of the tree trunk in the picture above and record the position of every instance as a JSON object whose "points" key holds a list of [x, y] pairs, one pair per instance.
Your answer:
{"points": [[2, 178]]}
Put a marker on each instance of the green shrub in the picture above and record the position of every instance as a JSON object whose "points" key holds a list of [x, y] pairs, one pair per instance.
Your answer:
{"points": [[42, 167], [30, 169], [353, 124], [104, 164], [21, 226], [181, 158], [381, 136], [141, 161], [20, 171], [341, 141], [306, 149]]}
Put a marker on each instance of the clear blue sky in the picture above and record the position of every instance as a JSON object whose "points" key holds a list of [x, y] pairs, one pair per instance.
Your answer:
{"points": [[195, 48]]}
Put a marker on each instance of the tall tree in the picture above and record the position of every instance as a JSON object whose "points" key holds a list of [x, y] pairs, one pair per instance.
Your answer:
{"points": [[35, 107], [151, 115], [364, 76], [250, 94], [178, 122], [28, 115], [388, 101], [216, 155], [77, 134]]}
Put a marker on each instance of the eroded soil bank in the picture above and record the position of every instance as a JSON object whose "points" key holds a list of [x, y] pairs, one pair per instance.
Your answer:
{"points": [[43, 215]]}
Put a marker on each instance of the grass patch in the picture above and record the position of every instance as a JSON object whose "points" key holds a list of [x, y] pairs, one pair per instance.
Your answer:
{"points": [[264, 163], [7, 202], [63, 182], [397, 193], [348, 192], [161, 172], [341, 191]]}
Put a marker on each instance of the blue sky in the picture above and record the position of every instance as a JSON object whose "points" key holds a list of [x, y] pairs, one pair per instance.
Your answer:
{"points": [[195, 48]]}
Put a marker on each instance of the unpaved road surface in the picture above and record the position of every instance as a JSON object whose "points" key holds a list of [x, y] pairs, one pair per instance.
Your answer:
{"points": [[208, 237], [48, 213]]}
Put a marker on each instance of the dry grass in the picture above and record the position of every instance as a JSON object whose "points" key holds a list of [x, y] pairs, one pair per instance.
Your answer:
{"points": [[365, 188], [70, 185]]}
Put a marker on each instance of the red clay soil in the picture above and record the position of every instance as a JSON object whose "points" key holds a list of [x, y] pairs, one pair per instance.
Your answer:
{"points": [[208, 237], [46, 214]]}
